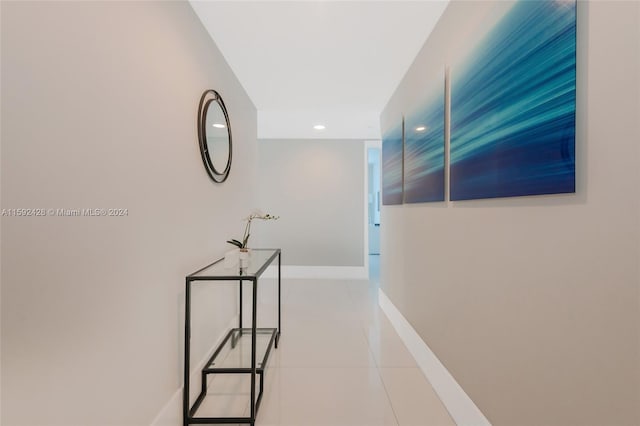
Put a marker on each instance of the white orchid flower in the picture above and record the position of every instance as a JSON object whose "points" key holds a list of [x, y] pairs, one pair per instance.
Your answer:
{"points": [[256, 214]]}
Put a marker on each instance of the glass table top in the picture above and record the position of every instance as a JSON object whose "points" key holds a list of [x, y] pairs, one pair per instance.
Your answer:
{"points": [[257, 262], [236, 352]]}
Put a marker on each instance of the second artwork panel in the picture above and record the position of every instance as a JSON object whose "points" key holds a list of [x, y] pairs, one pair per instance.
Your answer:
{"points": [[424, 150]]}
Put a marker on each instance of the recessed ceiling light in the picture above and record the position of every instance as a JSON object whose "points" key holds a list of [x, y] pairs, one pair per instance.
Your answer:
{"points": [[421, 128], [319, 127], [219, 126]]}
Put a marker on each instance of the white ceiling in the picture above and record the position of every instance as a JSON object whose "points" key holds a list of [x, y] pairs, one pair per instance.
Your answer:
{"points": [[331, 62]]}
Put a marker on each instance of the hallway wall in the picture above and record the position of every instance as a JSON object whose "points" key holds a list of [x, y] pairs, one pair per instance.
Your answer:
{"points": [[317, 188], [99, 110], [532, 303]]}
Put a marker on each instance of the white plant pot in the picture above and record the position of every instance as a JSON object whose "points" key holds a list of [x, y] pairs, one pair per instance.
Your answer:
{"points": [[231, 258], [244, 256]]}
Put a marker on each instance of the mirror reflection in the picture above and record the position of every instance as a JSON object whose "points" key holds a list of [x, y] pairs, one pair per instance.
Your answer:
{"points": [[217, 136]]}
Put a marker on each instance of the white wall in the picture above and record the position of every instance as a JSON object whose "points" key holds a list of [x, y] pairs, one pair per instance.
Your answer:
{"points": [[0, 230], [99, 106], [532, 303], [317, 188]]}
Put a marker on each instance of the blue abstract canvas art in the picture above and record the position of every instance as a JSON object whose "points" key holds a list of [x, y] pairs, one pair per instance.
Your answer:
{"points": [[424, 149], [392, 165], [513, 106]]}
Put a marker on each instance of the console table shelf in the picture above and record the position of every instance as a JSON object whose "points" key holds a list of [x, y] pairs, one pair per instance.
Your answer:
{"points": [[243, 350]]}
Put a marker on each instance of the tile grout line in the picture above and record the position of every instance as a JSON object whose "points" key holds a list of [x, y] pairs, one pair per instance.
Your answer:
{"points": [[377, 367], [386, 392]]}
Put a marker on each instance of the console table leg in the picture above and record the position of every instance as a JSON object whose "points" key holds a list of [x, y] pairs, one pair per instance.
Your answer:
{"points": [[187, 351], [279, 299], [253, 348], [240, 321]]}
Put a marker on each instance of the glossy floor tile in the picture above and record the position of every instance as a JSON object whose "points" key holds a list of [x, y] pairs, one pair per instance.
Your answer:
{"points": [[339, 362], [326, 396], [414, 401]]}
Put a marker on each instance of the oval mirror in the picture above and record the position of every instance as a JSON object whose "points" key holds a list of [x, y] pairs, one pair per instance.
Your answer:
{"points": [[214, 134]]}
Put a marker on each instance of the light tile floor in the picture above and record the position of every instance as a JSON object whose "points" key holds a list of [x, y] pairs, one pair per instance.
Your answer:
{"points": [[339, 363]]}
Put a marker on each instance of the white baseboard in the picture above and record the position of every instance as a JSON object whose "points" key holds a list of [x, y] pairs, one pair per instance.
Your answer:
{"points": [[319, 272], [461, 408], [171, 413]]}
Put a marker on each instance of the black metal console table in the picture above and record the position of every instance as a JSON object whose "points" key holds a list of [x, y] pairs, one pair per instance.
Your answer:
{"points": [[260, 259]]}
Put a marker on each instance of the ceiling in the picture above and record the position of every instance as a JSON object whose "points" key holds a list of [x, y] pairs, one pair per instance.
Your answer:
{"points": [[334, 63]]}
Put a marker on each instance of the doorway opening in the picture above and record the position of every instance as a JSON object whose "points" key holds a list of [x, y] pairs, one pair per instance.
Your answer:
{"points": [[373, 202]]}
